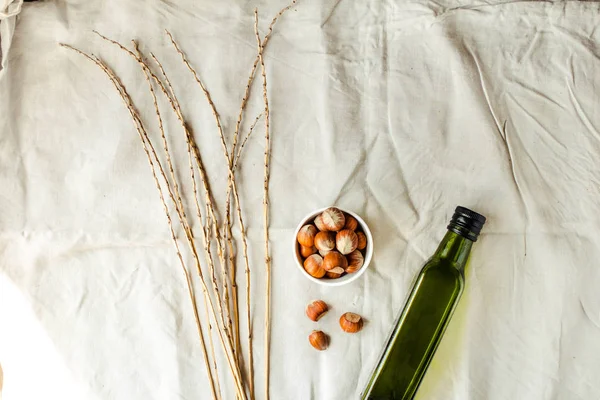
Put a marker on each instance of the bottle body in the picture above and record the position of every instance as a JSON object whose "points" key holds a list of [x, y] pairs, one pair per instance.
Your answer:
{"points": [[426, 314], [416, 336]]}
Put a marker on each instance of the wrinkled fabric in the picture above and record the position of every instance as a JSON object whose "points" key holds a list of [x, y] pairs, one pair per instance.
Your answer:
{"points": [[8, 13], [10, 8], [398, 111]]}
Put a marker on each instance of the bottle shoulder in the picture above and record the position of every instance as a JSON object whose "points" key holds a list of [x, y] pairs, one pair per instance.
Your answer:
{"points": [[443, 265]]}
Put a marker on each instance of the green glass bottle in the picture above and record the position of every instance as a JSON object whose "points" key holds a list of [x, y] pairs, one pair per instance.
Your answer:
{"points": [[425, 316]]}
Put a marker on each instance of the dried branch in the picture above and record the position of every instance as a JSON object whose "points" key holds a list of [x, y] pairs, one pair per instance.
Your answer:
{"points": [[206, 238], [197, 156], [146, 145], [239, 153], [179, 206], [232, 270], [252, 72], [166, 181], [266, 211], [231, 182], [231, 179], [227, 345]]}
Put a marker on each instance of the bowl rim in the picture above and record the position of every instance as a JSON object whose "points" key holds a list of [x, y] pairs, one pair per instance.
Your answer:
{"points": [[348, 277]]}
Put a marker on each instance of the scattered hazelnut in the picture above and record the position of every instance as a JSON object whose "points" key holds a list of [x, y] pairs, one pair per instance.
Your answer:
{"points": [[351, 323], [314, 266], [306, 235], [351, 223], [318, 340], [355, 261], [325, 241], [319, 223], [316, 310], [346, 241], [307, 251], [362, 240], [332, 260], [333, 219]]}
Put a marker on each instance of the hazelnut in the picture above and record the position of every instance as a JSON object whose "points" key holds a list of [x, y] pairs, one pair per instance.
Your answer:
{"points": [[316, 309], [351, 223], [314, 266], [351, 323], [325, 241], [336, 270], [332, 275], [362, 240], [333, 219], [306, 235], [346, 241], [318, 340], [319, 223], [355, 261], [307, 251], [323, 253], [332, 260]]}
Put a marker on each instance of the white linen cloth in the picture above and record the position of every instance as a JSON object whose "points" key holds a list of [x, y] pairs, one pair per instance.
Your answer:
{"points": [[398, 111]]}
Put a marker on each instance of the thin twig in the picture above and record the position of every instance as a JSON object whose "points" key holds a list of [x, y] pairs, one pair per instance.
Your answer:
{"points": [[233, 165], [206, 245], [206, 238], [146, 143], [179, 203], [239, 153], [266, 211], [231, 178], [252, 72], [177, 110], [183, 217], [227, 347], [244, 102], [180, 207], [247, 271], [246, 95], [175, 106], [247, 267], [228, 335]]}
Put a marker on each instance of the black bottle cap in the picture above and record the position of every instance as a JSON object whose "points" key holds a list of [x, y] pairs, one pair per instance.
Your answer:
{"points": [[466, 223]]}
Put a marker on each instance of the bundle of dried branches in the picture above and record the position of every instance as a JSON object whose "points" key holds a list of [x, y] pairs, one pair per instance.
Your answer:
{"points": [[221, 309]]}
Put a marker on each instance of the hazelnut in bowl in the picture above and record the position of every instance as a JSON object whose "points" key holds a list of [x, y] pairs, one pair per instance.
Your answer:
{"points": [[333, 246]]}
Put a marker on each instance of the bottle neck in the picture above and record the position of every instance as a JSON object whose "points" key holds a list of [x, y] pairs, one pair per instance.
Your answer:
{"points": [[454, 248]]}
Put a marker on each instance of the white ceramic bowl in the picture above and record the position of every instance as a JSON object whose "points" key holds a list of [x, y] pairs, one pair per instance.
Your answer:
{"points": [[348, 277]]}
